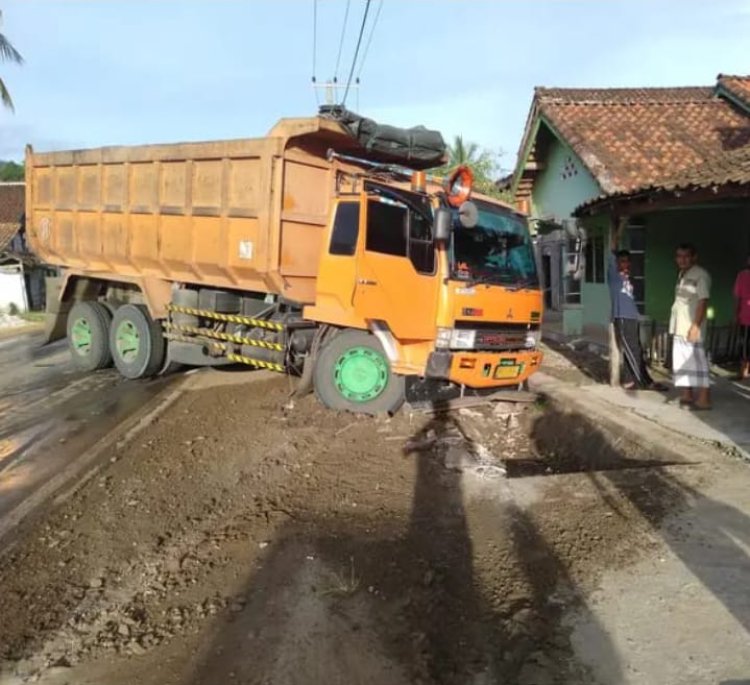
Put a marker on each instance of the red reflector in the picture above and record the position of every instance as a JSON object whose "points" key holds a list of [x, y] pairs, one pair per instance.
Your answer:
{"points": [[468, 311]]}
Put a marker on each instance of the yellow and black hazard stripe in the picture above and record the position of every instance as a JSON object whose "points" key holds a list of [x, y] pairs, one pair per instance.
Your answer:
{"points": [[221, 347], [228, 337], [242, 359], [229, 318]]}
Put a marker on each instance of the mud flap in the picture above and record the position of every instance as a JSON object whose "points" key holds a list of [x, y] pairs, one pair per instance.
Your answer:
{"points": [[56, 311]]}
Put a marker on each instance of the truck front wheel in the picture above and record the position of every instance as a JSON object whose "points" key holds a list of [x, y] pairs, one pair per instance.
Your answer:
{"points": [[352, 373], [137, 342], [88, 335]]}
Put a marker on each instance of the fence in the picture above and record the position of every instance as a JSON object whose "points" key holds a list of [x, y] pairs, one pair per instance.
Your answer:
{"points": [[723, 343]]}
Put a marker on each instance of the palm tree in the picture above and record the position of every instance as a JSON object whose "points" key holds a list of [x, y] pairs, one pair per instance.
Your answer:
{"points": [[483, 162], [463, 153], [7, 54]]}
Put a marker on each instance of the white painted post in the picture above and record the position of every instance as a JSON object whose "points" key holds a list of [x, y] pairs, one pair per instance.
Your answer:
{"points": [[614, 358]]}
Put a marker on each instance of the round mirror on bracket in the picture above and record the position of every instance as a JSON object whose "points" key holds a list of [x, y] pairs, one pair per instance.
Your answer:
{"points": [[468, 214], [458, 186]]}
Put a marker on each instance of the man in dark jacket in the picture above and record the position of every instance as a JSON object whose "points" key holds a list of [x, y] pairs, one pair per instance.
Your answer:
{"points": [[625, 318]]}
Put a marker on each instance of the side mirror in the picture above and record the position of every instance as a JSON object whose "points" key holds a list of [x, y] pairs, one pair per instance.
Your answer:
{"points": [[443, 224], [468, 214]]}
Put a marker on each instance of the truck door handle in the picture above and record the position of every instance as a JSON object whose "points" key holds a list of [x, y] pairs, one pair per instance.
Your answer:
{"points": [[364, 281]]}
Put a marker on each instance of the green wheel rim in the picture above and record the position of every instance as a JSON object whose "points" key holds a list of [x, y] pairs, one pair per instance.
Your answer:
{"points": [[81, 336], [127, 341], [360, 374]]}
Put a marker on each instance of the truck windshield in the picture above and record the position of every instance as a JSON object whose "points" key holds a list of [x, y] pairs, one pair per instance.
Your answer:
{"points": [[497, 250]]}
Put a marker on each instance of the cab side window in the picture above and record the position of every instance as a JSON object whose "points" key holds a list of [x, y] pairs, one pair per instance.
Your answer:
{"points": [[345, 229], [394, 229], [421, 247], [386, 228]]}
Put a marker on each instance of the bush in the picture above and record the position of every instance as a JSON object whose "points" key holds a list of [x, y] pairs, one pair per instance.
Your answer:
{"points": [[13, 309]]}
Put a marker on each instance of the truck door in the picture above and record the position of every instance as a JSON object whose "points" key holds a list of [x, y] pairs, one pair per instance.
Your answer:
{"points": [[397, 269]]}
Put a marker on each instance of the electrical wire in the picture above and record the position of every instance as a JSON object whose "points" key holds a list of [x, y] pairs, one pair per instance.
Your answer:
{"points": [[356, 53], [341, 41], [369, 39], [315, 49]]}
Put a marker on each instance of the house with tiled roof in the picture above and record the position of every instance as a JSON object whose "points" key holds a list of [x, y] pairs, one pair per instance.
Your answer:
{"points": [[675, 162]]}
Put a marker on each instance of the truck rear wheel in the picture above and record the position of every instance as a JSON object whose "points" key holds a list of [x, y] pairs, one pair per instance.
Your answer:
{"points": [[136, 342], [88, 335], [352, 373]]}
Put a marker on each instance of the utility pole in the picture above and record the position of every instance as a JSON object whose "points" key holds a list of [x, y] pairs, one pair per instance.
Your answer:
{"points": [[333, 90]]}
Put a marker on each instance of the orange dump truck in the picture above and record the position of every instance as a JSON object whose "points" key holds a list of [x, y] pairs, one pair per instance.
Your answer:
{"points": [[302, 252]]}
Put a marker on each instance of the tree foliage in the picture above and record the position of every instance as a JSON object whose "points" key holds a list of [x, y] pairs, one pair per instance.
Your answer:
{"points": [[7, 54], [11, 171], [484, 163]]}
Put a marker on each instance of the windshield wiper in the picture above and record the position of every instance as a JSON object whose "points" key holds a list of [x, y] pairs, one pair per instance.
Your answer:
{"points": [[521, 285]]}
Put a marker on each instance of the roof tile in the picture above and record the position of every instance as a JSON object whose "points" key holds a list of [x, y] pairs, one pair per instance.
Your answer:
{"points": [[630, 138], [737, 86]]}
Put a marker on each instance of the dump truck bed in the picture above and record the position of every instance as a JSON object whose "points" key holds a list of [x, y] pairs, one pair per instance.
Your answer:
{"points": [[244, 214]]}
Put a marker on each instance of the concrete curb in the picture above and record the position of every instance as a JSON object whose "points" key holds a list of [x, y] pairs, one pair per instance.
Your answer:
{"points": [[668, 443]]}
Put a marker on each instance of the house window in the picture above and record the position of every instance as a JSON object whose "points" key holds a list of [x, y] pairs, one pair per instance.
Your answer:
{"points": [[636, 237], [595, 259]]}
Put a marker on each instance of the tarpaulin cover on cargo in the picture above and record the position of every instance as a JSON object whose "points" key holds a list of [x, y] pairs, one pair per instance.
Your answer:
{"points": [[416, 147]]}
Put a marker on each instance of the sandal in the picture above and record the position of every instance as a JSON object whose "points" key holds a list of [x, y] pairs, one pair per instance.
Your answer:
{"points": [[686, 403], [701, 407]]}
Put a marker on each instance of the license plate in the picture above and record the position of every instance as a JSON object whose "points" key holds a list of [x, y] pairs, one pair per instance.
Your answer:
{"points": [[507, 371]]}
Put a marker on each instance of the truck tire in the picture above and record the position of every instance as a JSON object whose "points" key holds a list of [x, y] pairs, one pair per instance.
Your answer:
{"points": [[136, 342], [88, 335], [352, 373]]}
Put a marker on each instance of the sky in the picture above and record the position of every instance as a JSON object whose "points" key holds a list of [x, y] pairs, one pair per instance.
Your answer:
{"points": [[108, 72]]}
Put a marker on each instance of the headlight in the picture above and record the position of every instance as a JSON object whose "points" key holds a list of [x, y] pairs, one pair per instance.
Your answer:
{"points": [[532, 339], [463, 340], [443, 339]]}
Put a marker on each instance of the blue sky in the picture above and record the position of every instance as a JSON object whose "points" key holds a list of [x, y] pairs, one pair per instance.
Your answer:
{"points": [[102, 72]]}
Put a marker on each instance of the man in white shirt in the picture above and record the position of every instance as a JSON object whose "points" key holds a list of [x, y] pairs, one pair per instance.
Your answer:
{"points": [[687, 325]]}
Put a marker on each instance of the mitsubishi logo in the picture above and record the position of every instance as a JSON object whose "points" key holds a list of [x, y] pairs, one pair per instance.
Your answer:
{"points": [[510, 314]]}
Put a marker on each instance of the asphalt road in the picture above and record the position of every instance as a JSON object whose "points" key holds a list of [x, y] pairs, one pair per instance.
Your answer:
{"points": [[51, 413]]}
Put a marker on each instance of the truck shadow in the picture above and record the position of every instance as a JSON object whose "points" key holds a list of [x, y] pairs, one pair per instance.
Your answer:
{"points": [[356, 599]]}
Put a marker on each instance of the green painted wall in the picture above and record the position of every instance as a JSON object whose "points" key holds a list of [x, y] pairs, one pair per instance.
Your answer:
{"points": [[722, 237], [563, 185]]}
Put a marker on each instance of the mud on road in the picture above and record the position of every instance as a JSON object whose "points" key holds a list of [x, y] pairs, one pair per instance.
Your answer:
{"points": [[245, 538]]}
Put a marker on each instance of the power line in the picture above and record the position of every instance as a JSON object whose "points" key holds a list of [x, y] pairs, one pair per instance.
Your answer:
{"points": [[341, 40], [356, 52], [315, 47], [369, 39]]}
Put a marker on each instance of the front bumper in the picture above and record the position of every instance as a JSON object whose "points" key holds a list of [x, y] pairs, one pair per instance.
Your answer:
{"points": [[483, 369]]}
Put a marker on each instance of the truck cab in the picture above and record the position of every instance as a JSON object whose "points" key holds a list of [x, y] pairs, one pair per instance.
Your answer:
{"points": [[458, 302]]}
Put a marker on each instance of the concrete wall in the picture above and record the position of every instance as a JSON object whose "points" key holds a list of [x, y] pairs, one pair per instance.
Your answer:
{"points": [[558, 190], [12, 288], [722, 237]]}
